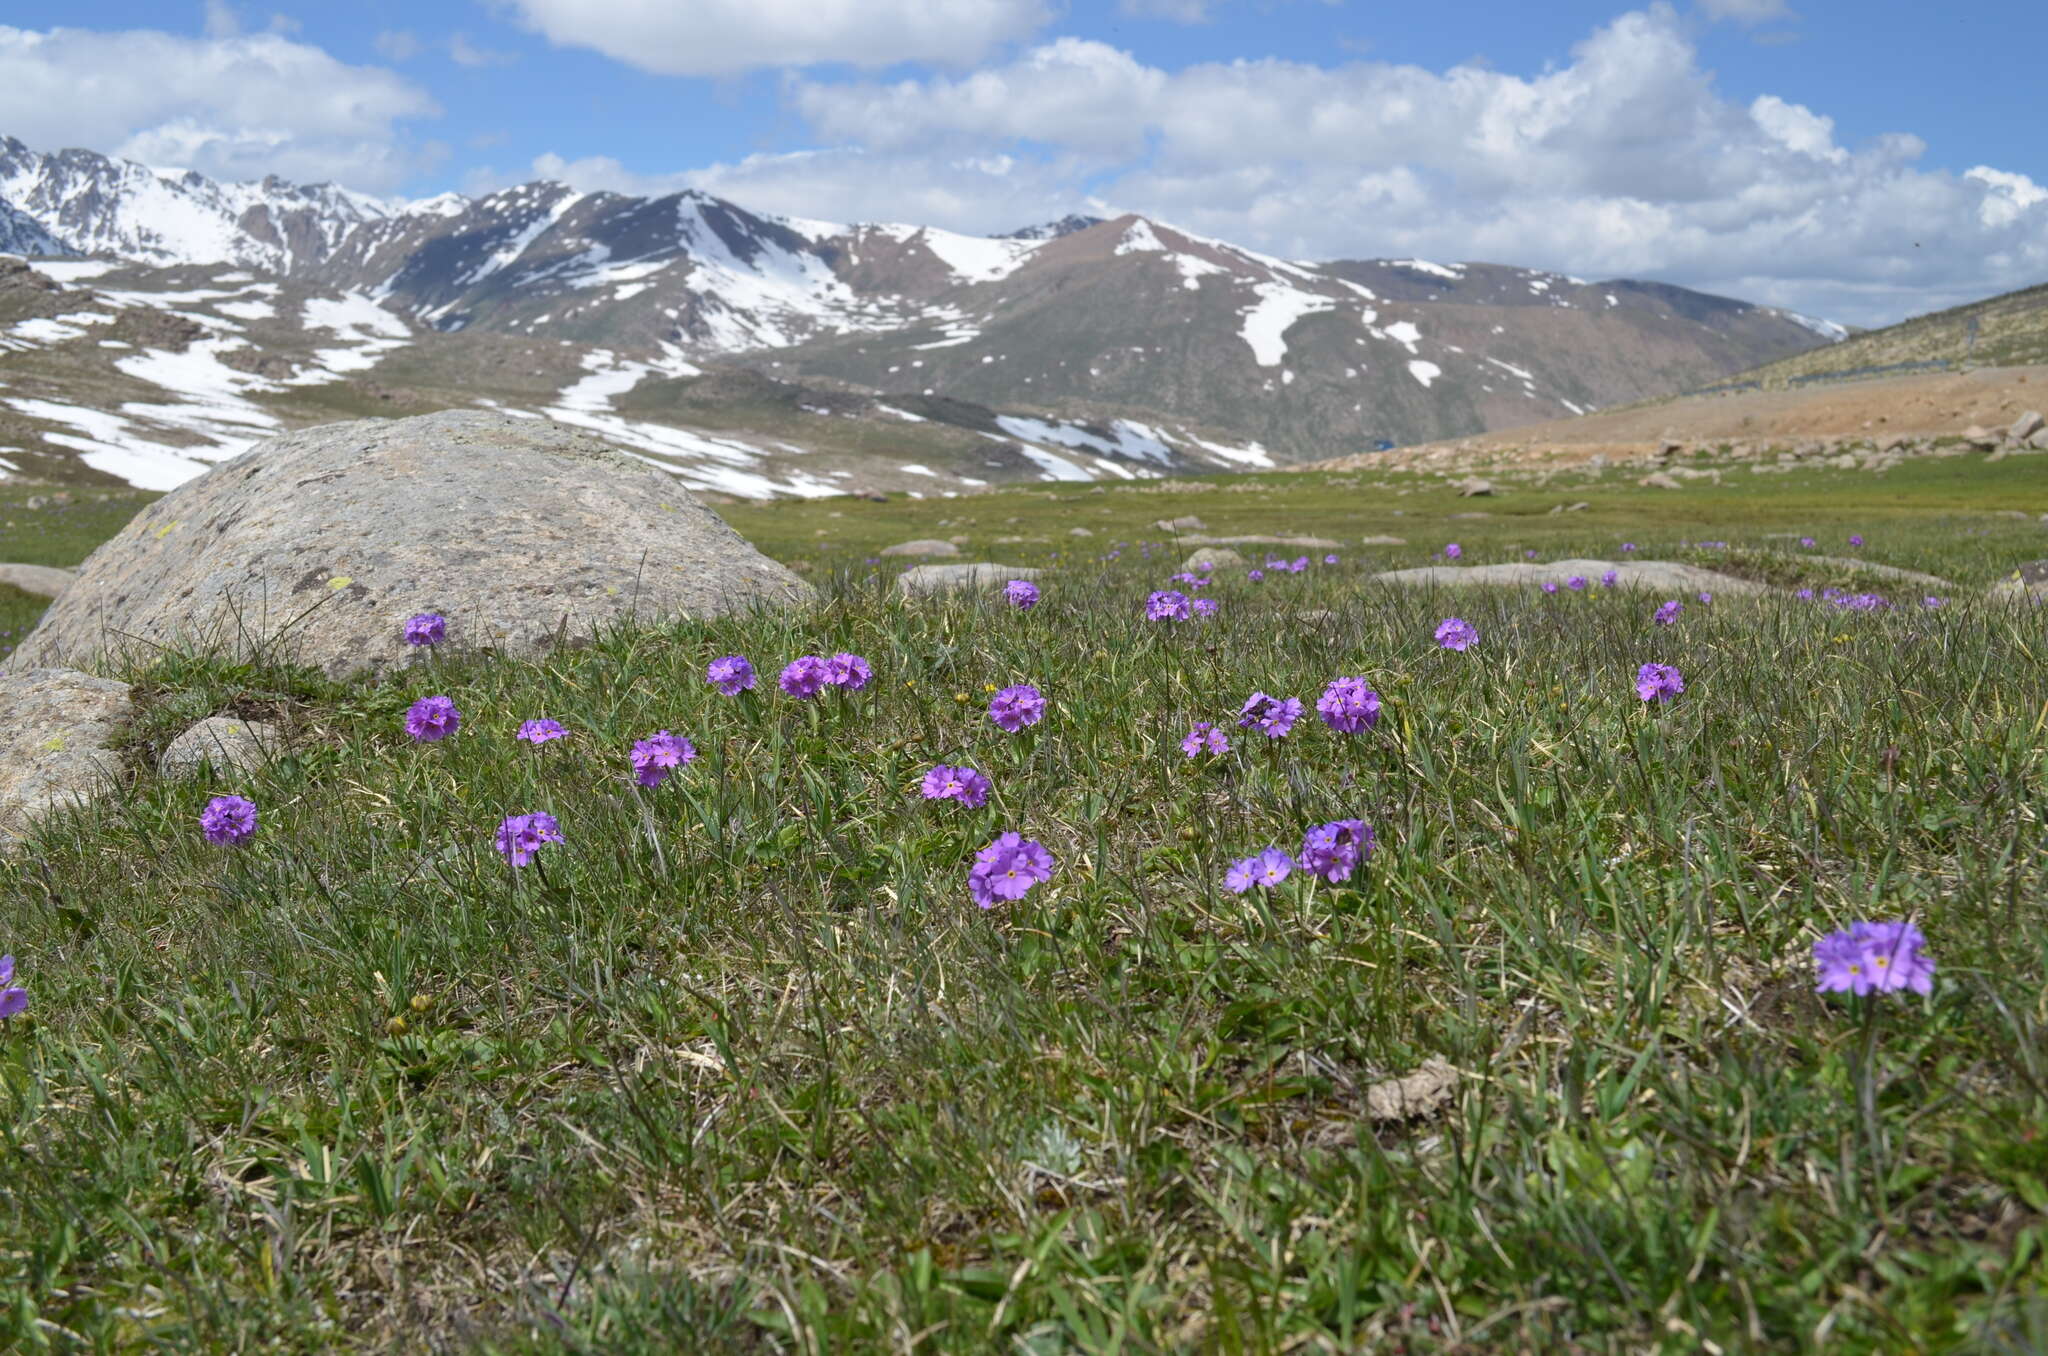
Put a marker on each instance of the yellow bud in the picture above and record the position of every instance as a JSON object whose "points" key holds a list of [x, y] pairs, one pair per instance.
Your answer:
{"points": [[420, 1002], [395, 1027], [988, 687], [960, 696]]}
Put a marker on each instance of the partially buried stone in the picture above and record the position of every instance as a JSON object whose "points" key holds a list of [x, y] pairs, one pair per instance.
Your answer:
{"points": [[57, 727], [229, 744]]}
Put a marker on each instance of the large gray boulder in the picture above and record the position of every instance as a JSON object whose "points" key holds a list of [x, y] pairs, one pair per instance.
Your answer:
{"points": [[45, 581], [1254, 539], [317, 545], [1212, 558], [2029, 581], [1904, 576], [920, 580], [56, 732], [1664, 576]]}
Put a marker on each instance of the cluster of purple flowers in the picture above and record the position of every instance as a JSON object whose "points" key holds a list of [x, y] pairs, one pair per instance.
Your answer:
{"points": [[432, 718], [1874, 958], [808, 675], [1455, 633], [1169, 605], [1273, 716], [1331, 851], [1016, 707], [521, 836], [660, 754], [1007, 869], [731, 674], [1192, 580], [1021, 594], [1269, 868], [1205, 736], [963, 784], [1452, 551], [1610, 578], [1857, 602], [1658, 682], [1348, 705], [1667, 613], [427, 628], [228, 819], [541, 731], [13, 998], [1295, 566]]}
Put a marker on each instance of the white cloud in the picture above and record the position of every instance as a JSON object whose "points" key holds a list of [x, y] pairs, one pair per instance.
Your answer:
{"points": [[1746, 11], [719, 37], [398, 44], [233, 106], [1180, 11], [1626, 160]]}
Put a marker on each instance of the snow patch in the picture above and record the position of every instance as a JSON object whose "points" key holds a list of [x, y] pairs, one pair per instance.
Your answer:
{"points": [[1454, 272], [1424, 372], [1266, 323], [1404, 333]]}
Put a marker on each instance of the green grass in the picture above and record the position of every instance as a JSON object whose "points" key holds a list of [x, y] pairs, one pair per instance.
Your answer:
{"points": [[739, 1066], [56, 534]]}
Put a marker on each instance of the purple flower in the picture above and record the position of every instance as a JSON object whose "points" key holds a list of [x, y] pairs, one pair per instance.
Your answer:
{"points": [[1330, 559], [1455, 633], [1609, 579], [1804, 594], [1930, 601], [1168, 605], [1267, 869], [228, 819], [432, 718], [1333, 851], [1273, 716], [1348, 706], [1874, 958], [1576, 583], [1667, 613], [1205, 607], [520, 836], [963, 784], [1205, 736], [1300, 564], [1192, 580], [1550, 586], [731, 675], [805, 676], [1706, 597], [1806, 541], [1628, 546], [1254, 575], [848, 671], [13, 998], [427, 628], [661, 753], [1007, 869], [1452, 551], [1860, 602], [1658, 682], [1015, 707], [1855, 541], [541, 731], [1529, 555], [1022, 594]]}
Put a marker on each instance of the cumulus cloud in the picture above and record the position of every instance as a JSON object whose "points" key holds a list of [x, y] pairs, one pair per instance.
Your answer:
{"points": [[722, 37], [233, 105], [1626, 160]]}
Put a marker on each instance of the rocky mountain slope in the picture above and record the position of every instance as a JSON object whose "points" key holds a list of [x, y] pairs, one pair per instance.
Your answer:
{"points": [[1079, 349], [2008, 330]]}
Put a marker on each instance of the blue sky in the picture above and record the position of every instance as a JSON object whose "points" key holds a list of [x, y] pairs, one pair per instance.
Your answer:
{"points": [[1859, 160]]}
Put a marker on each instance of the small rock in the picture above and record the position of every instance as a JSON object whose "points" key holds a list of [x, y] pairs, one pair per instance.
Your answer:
{"points": [[1305, 543], [2029, 580], [923, 580], [229, 744], [924, 546], [1019, 541], [55, 729], [1189, 523], [1382, 541], [1474, 488], [1212, 558], [35, 501], [1079, 532], [1471, 515], [2026, 426], [1414, 1094], [2039, 440], [1657, 480], [1983, 439], [45, 581]]}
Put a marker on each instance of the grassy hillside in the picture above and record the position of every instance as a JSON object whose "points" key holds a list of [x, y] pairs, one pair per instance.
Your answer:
{"points": [[740, 1066], [2010, 330]]}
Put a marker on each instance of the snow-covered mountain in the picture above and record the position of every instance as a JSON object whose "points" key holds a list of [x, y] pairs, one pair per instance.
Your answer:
{"points": [[1135, 345], [22, 234]]}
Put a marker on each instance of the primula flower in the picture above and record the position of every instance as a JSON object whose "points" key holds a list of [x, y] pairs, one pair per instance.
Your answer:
{"points": [[963, 784], [1333, 851], [1930, 601], [520, 836], [1550, 586], [1861, 602], [1015, 707], [1628, 546], [1205, 736], [1267, 869], [731, 675], [1658, 682], [13, 998], [1455, 633], [1804, 595], [541, 731], [1609, 579], [427, 628], [1273, 716], [1667, 613], [1706, 597], [1576, 583], [848, 671], [1007, 869], [1806, 541], [1168, 605], [1348, 706], [1330, 559], [1874, 958], [1452, 551], [1300, 564], [1205, 607], [661, 753], [432, 718], [228, 819], [1254, 575], [1022, 594], [805, 676], [1855, 541]]}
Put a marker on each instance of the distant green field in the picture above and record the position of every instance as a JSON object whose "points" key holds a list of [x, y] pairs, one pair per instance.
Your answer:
{"points": [[740, 1066]]}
